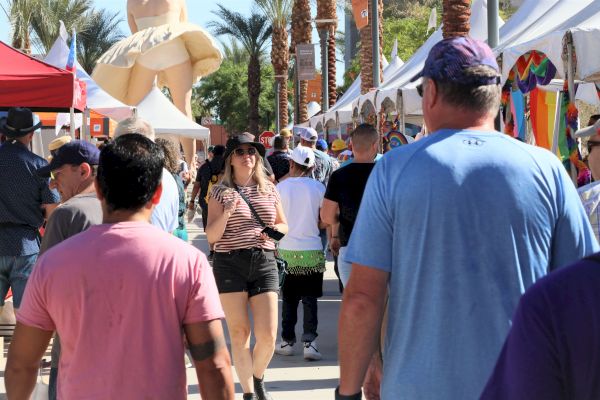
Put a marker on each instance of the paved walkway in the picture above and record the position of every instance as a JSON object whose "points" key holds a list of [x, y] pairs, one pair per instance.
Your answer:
{"points": [[288, 378]]}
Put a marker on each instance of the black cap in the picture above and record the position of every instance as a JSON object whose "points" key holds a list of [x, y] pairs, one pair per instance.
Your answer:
{"points": [[243, 138], [18, 122], [75, 152]]}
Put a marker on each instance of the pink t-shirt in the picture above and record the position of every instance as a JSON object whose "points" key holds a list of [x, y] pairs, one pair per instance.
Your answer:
{"points": [[118, 295]]}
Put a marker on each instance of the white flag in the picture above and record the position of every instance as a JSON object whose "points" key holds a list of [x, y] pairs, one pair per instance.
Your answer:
{"points": [[432, 19]]}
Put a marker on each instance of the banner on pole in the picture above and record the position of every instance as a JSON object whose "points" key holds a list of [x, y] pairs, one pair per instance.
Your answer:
{"points": [[360, 9], [306, 61]]}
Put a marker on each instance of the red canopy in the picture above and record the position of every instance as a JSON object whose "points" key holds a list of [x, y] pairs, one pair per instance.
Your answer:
{"points": [[28, 82]]}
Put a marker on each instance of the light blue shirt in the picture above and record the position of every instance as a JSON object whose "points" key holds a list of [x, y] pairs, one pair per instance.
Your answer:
{"points": [[464, 222]]}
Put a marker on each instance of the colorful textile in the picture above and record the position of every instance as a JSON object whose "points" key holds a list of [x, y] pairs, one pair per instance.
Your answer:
{"points": [[533, 69], [543, 115], [517, 108], [303, 262]]}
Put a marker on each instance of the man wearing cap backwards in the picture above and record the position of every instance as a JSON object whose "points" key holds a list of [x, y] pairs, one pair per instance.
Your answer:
{"points": [[25, 199], [590, 193], [324, 165], [457, 225], [73, 170]]}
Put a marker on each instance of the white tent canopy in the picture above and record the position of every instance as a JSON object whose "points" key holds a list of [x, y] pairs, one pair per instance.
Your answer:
{"points": [[97, 99], [582, 19], [166, 119]]}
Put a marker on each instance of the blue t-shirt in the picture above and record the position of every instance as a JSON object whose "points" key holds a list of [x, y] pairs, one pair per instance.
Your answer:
{"points": [[553, 349], [464, 222]]}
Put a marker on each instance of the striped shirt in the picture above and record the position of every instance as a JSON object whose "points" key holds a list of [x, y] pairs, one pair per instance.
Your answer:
{"points": [[242, 230]]}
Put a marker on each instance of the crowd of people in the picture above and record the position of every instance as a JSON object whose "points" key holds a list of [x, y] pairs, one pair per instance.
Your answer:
{"points": [[441, 246]]}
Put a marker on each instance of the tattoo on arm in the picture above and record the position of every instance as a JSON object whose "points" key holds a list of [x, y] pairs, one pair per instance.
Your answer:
{"points": [[203, 351]]}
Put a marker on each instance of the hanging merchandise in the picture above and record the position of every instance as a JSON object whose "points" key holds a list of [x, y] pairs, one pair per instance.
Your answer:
{"points": [[571, 125], [543, 106], [533, 69]]}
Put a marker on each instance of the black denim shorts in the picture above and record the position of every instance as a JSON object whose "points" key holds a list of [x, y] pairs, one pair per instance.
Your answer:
{"points": [[246, 270]]}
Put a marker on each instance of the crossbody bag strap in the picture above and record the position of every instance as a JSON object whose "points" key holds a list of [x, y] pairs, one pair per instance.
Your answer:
{"points": [[252, 210]]}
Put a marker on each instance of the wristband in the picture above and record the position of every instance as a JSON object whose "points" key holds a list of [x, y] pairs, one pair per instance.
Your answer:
{"points": [[338, 396]]}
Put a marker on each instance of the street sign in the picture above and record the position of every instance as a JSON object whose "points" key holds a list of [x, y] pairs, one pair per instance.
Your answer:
{"points": [[266, 139]]}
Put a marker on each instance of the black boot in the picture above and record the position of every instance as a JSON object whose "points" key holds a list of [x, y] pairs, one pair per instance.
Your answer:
{"points": [[249, 396], [260, 390]]}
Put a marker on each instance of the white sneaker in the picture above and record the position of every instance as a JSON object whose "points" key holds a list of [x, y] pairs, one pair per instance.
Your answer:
{"points": [[311, 352], [284, 348]]}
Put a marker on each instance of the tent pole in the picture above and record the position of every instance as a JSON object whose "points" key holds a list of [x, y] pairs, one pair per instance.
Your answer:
{"points": [[72, 122], [570, 67], [85, 127]]}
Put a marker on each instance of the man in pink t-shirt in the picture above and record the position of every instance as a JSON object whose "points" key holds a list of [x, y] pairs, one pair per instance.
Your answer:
{"points": [[121, 295]]}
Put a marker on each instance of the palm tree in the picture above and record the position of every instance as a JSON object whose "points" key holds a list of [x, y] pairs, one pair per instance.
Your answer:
{"points": [[327, 10], [456, 18], [253, 32], [366, 51], [45, 20], [234, 52], [279, 13], [101, 32], [20, 14], [301, 33]]}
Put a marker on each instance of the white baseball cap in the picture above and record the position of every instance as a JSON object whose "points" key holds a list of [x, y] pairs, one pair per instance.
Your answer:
{"points": [[589, 131], [308, 134], [304, 156]]}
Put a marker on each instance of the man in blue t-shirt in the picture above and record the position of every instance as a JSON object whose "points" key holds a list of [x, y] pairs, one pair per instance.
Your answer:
{"points": [[458, 225]]}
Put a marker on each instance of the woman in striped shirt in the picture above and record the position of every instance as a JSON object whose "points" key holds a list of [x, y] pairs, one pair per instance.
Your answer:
{"points": [[244, 262]]}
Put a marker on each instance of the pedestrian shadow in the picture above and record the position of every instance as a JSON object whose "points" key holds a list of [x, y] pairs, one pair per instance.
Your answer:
{"points": [[284, 386]]}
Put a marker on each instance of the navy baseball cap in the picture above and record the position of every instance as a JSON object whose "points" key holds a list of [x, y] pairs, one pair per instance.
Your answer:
{"points": [[75, 152], [449, 58]]}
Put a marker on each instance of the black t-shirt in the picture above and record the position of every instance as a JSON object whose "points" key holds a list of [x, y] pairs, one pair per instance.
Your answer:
{"points": [[346, 187]]}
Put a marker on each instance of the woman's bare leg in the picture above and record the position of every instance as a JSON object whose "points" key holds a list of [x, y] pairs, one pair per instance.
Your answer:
{"points": [[140, 84], [264, 312], [235, 306]]}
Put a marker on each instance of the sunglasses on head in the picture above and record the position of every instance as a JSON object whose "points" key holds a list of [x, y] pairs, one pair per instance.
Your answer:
{"points": [[240, 152], [591, 144]]}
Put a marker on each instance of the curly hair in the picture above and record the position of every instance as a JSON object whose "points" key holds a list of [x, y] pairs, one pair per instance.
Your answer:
{"points": [[171, 154]]}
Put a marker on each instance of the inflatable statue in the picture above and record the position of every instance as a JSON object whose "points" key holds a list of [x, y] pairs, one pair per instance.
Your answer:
{"points": [[163, 47]]}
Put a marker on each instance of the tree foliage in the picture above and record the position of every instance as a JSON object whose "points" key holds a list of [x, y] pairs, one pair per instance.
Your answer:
{"points": [[224, 94]]}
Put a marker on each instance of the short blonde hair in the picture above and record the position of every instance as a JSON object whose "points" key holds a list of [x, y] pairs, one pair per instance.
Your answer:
{"points": [[135, 125]]}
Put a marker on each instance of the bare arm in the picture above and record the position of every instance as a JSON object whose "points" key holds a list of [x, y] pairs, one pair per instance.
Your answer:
{"points": [[184, 12], [26, 349], [218, 215], [195, 191], [365, 297], [211, 359], [330, 211], [131, 20]]}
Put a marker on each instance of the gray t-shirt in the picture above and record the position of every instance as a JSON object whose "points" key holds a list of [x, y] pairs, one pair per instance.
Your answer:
{"points": [[70, 218]]}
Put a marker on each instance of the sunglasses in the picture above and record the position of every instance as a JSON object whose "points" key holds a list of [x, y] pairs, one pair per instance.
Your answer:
{"points": [[591, 144], [241, 152], [54, 174], [420, 89]]}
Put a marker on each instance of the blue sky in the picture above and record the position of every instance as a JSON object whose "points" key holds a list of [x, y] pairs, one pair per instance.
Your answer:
{"points": [[199, 13]]}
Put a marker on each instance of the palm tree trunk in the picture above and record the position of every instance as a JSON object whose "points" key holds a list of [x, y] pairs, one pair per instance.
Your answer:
{"points": [[331, 80], [366, 51], [280, 60], [253, 93], [301, 33], [456, 18]]}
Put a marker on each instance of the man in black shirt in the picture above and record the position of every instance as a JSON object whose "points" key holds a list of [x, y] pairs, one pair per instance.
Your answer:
{"points": [[280, 159], [345, 190]]}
